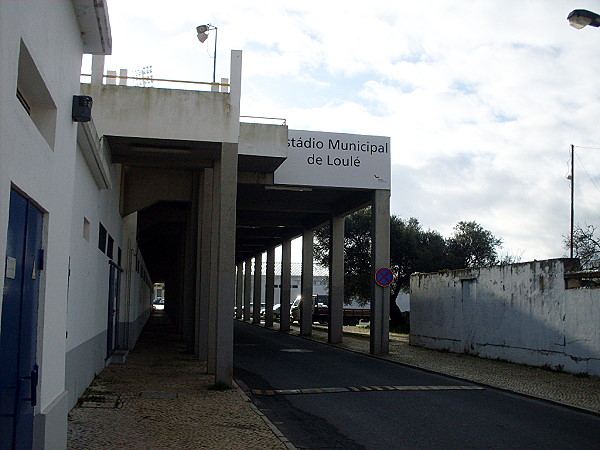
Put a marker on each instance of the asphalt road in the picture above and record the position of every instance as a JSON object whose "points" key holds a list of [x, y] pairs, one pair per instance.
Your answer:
{"points": [[377, 405]]}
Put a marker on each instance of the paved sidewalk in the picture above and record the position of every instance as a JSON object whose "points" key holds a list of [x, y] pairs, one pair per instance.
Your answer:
{"points": [[160, 398]]}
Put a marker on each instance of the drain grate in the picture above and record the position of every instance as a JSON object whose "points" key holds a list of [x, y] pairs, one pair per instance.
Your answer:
{"points": [[99, 401]]}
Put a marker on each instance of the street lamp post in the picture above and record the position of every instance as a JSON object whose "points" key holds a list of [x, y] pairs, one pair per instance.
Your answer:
{"points": [[202, 31], [579, 18]]}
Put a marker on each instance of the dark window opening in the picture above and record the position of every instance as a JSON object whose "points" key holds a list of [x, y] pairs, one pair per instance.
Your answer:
{"points": [[102, 238], [110, 246]]}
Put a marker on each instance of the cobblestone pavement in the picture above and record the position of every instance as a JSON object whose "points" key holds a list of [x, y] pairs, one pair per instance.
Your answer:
{"points": [[160, 399], [573, 390]]}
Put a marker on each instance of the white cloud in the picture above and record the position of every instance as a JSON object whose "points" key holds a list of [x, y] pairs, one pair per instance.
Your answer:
{"points": [[481, 99]]}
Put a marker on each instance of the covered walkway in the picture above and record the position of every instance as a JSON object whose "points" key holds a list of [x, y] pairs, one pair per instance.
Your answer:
{"points": [[162, 398]]}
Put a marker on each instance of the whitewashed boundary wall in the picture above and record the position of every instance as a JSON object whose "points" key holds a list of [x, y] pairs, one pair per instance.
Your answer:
{"points": [[520, 312]]}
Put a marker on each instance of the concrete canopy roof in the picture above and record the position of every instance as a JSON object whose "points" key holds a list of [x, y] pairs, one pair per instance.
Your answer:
{"points": [[268, 215]]}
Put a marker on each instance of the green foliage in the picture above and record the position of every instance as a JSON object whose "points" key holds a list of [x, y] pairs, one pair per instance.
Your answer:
{"points": [[473, 246], [412, 249]]}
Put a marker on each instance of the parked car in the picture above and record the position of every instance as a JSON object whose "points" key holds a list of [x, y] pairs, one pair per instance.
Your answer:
{"points": [[320, 310], [159, 303]]}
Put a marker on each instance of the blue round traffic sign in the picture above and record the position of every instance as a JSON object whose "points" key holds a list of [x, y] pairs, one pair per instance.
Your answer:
{"points": [[384, 277]]}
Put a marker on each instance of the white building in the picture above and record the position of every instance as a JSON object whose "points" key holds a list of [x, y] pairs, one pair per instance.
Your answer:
{"points": [[77, 211]]}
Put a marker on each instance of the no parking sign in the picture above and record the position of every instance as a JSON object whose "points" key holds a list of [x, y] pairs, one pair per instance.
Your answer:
{"points": [[384, 277]]}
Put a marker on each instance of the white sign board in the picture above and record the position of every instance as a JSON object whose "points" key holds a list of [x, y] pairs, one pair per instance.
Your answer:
{"points": [[336, 160]]}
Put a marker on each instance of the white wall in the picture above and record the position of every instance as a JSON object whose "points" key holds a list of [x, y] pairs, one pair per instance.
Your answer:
{"points": [[136, 305], [89, 279], [87, 312], [521, 313], [49, 30]]}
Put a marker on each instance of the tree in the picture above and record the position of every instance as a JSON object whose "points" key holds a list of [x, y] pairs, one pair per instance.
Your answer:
{"points": [[412, 249], [586, 246], [473, 246]]}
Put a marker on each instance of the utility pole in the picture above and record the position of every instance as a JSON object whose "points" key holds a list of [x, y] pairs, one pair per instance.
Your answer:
{"points": [[572, 195]]}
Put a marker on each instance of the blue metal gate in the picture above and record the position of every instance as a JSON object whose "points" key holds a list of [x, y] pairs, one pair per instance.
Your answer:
{"points": [[18, 332]]}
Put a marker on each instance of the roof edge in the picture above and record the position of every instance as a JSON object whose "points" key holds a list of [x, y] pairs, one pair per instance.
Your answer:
{"points": [[94, 24]]}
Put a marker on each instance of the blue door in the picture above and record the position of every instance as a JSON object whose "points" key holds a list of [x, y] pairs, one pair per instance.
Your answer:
{"points": [[112, 334], [18, 332]]}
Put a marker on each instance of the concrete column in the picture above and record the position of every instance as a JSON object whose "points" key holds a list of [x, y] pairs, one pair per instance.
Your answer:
{"points": [[336, 280], [189, 278], [257, 289], [203, 266], [215, 224], [239, 291], [247, 288], [306, 307], [270, 288], [380, 257], [97, 70], [286, 285], [226, 263]]}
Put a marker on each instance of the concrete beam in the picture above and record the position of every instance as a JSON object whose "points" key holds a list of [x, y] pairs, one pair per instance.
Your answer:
{"points": [[306, 307], [239, 291], [270, 288], [247, 288], [226, 263], [189, 279], [336, 280], [286, 285], [380, 257], [257, 289]]}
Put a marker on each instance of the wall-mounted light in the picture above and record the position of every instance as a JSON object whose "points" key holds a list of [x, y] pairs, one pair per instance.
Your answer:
{"points": [[82, 108]]}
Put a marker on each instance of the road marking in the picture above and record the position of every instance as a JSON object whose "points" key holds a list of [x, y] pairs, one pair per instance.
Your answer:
{"points": [[296, 350], [363, 389]]}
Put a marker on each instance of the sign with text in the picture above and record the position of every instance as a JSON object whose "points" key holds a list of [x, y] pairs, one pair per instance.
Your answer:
{"points": [[336, 160]]}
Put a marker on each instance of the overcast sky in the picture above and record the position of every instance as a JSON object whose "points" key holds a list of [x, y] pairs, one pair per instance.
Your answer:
{"points": [[481, 99]]}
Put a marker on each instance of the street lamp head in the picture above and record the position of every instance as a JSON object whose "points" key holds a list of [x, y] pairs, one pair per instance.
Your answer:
{"points": [[579, 18], [202, 31]]}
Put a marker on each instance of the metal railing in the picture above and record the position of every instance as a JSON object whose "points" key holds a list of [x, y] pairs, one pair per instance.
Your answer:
{"points": [[283, 121], [159, 79]]}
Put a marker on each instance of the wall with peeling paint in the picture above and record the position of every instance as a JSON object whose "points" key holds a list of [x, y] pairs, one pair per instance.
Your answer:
{"points": [[520, 312]]}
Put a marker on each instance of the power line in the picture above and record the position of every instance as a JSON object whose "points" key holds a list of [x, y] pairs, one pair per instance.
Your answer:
{"points": [[589, 148], [587, 173]]}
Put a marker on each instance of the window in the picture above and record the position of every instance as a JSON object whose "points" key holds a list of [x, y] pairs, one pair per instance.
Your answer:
{"points": [[110, 247], [119, 255], [33, 94], [102, 238]]}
